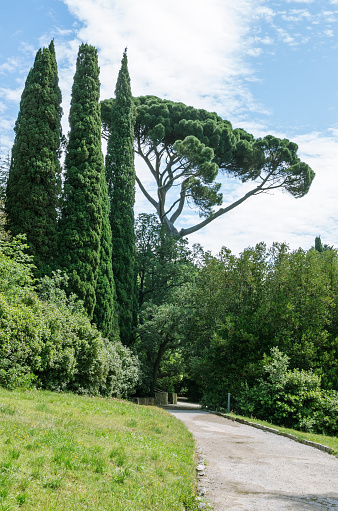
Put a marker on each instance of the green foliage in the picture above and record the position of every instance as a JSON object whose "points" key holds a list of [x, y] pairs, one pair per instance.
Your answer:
{"points": [[21, 344], [318, 244], [157, 332], [273, 160], [243, 306], [164, 268], [53, 290], [34, 183], [187, 149], [163, 262], [105, 311], [120, 175], [49, 341], [81, 222], [320, 247], [4, 170], [292, 398], [123, 371]]}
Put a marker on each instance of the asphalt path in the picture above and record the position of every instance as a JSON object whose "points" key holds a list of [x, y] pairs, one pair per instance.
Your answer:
{"points": [[254, 470]]}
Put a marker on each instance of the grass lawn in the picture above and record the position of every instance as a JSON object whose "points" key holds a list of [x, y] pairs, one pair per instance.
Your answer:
{"points": [[60, 451], [329, 441]]}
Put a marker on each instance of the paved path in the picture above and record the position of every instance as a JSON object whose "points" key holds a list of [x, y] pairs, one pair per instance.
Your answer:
{"points": [[253, 470]]}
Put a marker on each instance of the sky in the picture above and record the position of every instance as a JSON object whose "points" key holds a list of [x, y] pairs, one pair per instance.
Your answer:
{"points": [[267, 66]]}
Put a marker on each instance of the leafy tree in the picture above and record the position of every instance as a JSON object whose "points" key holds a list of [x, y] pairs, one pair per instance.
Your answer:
{"points": [[185, 149], [163, 262], [81, 222], [120, 174], [158, 331], [291, 398], [34, 184], [165, 271], [243, 306]]}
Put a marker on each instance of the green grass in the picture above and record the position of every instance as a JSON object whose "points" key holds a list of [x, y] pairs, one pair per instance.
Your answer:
{"points": [[72, 453], [328, 441]]}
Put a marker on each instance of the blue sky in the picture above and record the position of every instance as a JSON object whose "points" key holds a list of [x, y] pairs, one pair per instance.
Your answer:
{"points": [[267, 66]]}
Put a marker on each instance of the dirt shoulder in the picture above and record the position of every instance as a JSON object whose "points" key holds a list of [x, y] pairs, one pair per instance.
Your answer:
{"points": [[250, 469]]}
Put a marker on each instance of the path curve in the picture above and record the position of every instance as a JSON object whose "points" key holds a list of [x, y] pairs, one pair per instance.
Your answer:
{"points": [[254, 470]]}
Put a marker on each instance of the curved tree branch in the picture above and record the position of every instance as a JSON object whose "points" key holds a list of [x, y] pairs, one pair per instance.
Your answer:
{"points": [[222, 211], [146, 194]]}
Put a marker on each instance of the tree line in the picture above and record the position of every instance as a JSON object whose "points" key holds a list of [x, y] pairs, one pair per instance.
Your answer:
{"points": [[77, 228], [261, 326], [200, 324]]}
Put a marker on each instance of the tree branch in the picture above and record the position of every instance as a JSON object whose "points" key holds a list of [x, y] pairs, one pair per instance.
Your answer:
{"points": [[179, 210], [146, 194], [145, 158], [222, 211]]}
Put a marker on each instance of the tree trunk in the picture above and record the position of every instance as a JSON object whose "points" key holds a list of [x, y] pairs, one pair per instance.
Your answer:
{"points": [[160, 353]]}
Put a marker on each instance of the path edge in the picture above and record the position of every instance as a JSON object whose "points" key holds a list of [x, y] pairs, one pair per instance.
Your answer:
{"points": [[316, 445]]}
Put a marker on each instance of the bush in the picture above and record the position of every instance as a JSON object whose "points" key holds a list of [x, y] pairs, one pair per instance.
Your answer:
{"points": [[20, 343], [291, 398], [48, 340], [123, 371]]}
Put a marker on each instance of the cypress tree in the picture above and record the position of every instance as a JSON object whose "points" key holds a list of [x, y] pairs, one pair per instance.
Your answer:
{"points": [[81, 221], [318, 244], [105, 315], [120, 173], [34, 180]]}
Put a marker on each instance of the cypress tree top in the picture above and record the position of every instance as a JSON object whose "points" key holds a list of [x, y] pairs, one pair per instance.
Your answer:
{"points": [[81, 222], [34, 183], [121, 191]]}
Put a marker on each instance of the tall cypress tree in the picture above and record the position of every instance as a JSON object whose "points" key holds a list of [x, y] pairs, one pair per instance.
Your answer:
{"points": [[120, 173], [81, 221], [34, 182], [105, 315]]}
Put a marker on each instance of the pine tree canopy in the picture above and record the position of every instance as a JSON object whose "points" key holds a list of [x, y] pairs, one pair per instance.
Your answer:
{"points": [[186, 149], [34, 183], [81, 222]]}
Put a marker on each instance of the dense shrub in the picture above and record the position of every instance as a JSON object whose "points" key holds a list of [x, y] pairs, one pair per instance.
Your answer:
{"points": [[291, 398], [46, 338]]}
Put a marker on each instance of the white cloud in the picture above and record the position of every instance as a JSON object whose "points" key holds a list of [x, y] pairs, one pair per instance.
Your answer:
{"points": [[329, 16], [28, 48], [189, 51], [280, 217], [254, 52], [63, 32], [267, 40], [10, 66], [297, 15], [6, 133], [11, 94], [300, 1], [285, 36]]}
